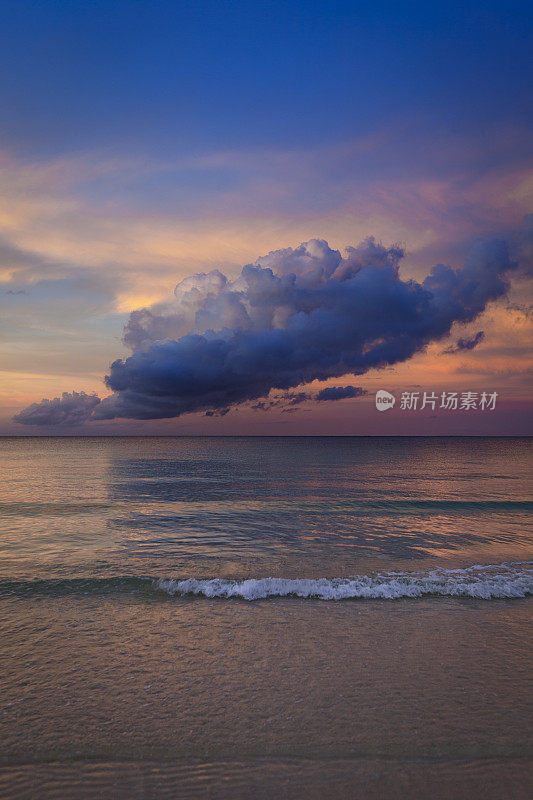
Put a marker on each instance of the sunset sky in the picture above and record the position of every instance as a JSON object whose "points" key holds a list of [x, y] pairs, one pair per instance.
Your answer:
{"points": [[142, 143]]}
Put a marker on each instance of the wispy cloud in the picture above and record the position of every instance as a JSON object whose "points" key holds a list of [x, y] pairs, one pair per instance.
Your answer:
{"points": [[465, 343]]}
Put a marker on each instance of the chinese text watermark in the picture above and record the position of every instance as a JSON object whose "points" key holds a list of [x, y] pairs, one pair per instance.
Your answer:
{"points": [[447, 401]]}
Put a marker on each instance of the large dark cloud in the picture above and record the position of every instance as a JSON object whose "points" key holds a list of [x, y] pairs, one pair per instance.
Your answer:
{"points": [[72, 408], [294, 316]]}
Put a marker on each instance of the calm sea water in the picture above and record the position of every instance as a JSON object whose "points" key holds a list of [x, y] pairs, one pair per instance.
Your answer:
{"points": [[288, 617]]}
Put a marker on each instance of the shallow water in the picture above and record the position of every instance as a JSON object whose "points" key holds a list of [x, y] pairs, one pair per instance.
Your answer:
{"points": [[146, 652]]}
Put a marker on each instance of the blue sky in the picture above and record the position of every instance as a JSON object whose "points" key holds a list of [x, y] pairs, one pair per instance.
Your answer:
{"points": [[172, 77], [141, 142]]}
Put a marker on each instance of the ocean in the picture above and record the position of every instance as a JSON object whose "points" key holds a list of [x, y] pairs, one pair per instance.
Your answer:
{"points": [[287, 617]]}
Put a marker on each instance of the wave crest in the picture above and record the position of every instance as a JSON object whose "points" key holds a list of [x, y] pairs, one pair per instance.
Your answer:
{"points": [[485, 583]]}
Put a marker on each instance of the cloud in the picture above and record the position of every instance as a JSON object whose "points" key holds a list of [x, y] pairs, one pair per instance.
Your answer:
{"points": [[523, 246], [339, 392], [72, 408], [292, 317], [465, 344], [221, 412], [286, 401], [175, 319], [14, 260]]}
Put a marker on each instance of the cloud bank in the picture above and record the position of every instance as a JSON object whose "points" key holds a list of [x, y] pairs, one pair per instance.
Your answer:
{"points": [[292, 317], [72, 408]]}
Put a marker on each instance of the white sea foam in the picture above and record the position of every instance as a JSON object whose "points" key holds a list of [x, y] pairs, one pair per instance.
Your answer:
{"points": [[483, 582]]}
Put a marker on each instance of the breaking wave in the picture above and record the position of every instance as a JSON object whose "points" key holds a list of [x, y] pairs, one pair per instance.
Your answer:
{"points": [[483, 582], [495, 581]]}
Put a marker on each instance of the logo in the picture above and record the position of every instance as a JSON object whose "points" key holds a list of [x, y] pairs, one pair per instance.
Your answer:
{"points": [[384, 400]]}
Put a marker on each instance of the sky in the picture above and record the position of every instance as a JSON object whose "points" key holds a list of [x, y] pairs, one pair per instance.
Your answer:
{"points": [[142, 144]]}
